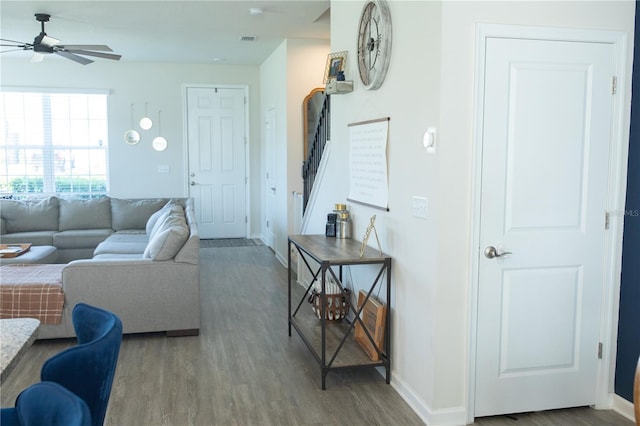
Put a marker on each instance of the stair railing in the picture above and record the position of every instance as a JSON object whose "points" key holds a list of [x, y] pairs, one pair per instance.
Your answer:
{"points": [[320, 138]]}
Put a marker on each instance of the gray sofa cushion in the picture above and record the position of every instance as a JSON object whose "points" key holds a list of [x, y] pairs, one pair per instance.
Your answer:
{"points": [[133, 214], [118, 256], [159, 216], [80, 238], [85, 214], [30, 215], [190, 252], [36, 238], [165, 214], [168, 239], [156, 218], [123, 243]]}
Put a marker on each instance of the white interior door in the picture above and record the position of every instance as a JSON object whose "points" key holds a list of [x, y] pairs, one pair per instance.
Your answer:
{"points": [[217, 175], [270, 180], [545, 152]]}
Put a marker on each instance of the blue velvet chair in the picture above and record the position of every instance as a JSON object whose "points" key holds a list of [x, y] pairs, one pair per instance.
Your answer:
{"points": [[88, 368], [47, 403]]}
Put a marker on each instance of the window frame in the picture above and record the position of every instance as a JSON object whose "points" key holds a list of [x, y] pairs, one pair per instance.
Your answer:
{"points": [[48, 175]]}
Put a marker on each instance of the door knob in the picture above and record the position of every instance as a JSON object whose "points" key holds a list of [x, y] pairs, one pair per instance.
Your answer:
{"points": [[193, 183], [490, 252]]}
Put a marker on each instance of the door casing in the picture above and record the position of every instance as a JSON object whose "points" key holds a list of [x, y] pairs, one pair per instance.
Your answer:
{"points": [[185, 139], [615, 198]]}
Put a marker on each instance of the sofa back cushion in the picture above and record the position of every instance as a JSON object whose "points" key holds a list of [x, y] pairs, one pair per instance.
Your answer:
{"points": [[167, 238], [85, 214], [156, 221], [133, 213], [158, 217], [30, 215]]}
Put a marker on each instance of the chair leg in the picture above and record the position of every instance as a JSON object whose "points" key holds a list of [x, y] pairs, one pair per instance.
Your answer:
{"points": [[636, 393]]}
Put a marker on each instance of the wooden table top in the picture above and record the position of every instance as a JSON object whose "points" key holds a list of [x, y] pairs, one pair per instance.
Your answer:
{"points": [[337, 250]]}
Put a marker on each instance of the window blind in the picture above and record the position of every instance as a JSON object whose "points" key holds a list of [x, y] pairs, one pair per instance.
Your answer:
{"points": [[53, 143]]}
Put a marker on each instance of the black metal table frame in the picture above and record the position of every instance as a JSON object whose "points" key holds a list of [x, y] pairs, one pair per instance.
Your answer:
{"points": [[324, 266]]}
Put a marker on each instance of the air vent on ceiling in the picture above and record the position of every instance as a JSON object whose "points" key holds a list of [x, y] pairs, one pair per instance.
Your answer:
{"points": [[248, 38]]}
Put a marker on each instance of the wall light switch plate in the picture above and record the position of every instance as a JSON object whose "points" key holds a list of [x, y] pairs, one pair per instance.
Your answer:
{"points": [[419, 207]]}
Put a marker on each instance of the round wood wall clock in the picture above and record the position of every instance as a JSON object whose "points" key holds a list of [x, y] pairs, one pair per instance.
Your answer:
{"points": [[374, 43]]}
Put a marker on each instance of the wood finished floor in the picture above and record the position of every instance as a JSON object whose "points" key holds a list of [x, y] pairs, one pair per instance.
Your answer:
{"points": [[244, 369]]}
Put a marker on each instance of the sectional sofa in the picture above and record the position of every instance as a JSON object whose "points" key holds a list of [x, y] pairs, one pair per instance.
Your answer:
{"points": [[136, 257]]}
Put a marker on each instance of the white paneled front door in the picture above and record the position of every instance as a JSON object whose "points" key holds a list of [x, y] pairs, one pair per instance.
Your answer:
{"points": [[217, 148], [546, 132]]}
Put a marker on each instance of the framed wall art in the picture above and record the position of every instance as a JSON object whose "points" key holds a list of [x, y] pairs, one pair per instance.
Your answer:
{"points": [[335, 63]]}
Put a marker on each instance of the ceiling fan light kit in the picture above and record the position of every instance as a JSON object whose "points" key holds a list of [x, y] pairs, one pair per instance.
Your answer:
{"points": [[44, 44]]}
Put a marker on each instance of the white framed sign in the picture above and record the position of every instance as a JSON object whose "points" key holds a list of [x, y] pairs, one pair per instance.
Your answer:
{"points": [[368, 179]]}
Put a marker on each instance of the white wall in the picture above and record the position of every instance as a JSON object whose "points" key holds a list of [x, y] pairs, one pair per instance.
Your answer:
{"points": [[134, 168], [431, 83], [287, 76]]}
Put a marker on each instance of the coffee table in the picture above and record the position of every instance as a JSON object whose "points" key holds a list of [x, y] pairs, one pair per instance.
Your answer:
{"points": [[36, 254]]}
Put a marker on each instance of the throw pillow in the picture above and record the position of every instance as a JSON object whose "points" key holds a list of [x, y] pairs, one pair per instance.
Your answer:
{"points": [[167, 241], [171, 214], [85, 214], [160, 215], [30, 215]]}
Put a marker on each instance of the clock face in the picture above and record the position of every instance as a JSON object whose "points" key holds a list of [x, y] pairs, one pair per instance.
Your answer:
{"points": [[374, 43]]}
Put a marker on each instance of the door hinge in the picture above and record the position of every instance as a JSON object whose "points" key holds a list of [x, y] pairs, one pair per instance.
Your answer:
{"points": [[614, 85], [246, 219], [606, 220], [267, 224], [599, 350]]}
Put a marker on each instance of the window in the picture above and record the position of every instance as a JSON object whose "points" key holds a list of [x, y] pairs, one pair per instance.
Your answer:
{"points": [[53, 143]]}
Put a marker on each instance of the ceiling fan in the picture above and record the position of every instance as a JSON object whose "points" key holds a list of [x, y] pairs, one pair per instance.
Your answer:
{"points": [[43, 44]]}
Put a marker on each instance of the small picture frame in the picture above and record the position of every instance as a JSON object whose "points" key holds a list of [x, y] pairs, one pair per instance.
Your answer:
{"points": [[335, 62]]}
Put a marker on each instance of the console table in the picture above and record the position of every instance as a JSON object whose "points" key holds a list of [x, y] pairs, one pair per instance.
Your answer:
{"points": [[331, 342]]}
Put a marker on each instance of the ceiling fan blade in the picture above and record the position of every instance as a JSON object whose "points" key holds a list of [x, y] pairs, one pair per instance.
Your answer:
{"points": [[49, 41], [20, 43], [13, 50], [16, 46], [74, 57], [37, 57], [99, 47], [97, 54]]}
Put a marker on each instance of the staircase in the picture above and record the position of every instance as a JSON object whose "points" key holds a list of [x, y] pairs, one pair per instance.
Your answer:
{"points": [[320, 138]]}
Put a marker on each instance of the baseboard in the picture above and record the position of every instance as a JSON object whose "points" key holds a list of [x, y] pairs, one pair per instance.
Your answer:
{"points": [[281, 259], [182, 333], [455, 416], [623, 407]]}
